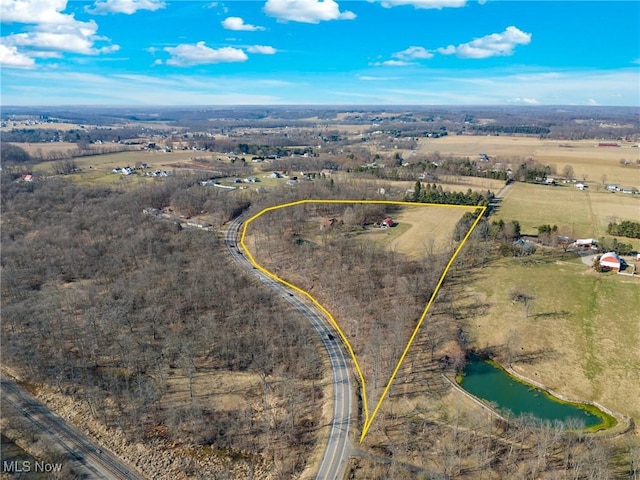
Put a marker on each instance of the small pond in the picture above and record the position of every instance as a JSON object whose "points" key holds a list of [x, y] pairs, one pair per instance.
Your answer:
{"points": [[492, 384]]}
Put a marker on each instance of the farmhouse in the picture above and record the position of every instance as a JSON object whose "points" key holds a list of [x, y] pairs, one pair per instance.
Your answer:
{"points": [[386, 223], [612, 261]]}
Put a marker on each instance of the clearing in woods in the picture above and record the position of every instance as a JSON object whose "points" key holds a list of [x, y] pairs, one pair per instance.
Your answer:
{"points": [[411, 248], [418, 232]]}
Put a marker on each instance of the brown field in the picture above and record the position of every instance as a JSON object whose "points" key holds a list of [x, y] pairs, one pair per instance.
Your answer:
{"points": [[397, 188], [40, 126], [589, 161], [34, 148]]}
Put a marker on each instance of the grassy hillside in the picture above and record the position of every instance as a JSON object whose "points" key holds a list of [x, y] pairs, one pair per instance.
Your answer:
{"points": [[580, 335]]}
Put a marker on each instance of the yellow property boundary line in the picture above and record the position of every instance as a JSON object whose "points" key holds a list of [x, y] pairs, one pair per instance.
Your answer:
{"points": [[368, 420]]}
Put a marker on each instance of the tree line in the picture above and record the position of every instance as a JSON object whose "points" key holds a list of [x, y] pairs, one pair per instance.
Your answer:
{"points": [[432, 193], [626, 228]]}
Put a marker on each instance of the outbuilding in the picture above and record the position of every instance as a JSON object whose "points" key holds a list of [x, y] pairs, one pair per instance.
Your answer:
{"points": [[612, 261]]}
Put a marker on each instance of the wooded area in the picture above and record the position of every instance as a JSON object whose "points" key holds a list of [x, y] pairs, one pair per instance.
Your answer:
{"points": [[111, 306]]}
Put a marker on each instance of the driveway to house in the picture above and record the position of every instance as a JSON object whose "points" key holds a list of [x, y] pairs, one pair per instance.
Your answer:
{"points": [[587, 258], [338, 449]]}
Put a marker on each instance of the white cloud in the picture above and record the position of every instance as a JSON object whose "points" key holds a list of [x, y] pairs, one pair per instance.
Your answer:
{"points": [[9, 57], [35, 12], [306, 11], [372, 78], [424, 3], [185, 55], [525, 100], [392, 63], [23, 86], [413, 52], [77, 37], [50, 32], [103, 7], [496, 44], [237, 23], [262, 49], [50, 87]]}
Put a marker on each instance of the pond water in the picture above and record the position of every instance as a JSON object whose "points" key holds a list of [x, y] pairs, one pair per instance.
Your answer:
{"points": [[490, 383]]}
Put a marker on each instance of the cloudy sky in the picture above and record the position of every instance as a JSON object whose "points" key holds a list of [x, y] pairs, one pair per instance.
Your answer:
{"points": [[368, 52]]}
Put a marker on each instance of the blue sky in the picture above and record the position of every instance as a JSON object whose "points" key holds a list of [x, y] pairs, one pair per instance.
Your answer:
{"points": [[376, 52]]}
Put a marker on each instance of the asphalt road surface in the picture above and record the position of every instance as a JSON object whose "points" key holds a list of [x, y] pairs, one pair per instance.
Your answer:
{"points": [[85, 456], [338, 449]]}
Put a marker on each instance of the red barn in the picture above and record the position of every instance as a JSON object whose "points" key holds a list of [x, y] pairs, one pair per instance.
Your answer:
{"points": [[611, 261]]}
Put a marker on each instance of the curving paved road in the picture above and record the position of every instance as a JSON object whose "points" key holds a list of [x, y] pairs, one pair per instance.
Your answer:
{"points": [[334, 461], [85, 456]]}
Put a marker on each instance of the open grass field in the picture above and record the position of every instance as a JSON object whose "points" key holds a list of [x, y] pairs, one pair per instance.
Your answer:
{"points": [[427, 230], [121, 159], [589, 161], [399, 187], [33, 148], [40, 126], [97, 169], [581, 334], [580, 214]]}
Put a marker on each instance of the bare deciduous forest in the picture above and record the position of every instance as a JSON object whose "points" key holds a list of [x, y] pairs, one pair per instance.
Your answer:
{"points": [[376, 296], [110, 306]]}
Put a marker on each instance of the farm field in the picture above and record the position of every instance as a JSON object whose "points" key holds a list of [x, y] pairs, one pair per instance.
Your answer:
{"points": [[448, 183], [589, 161], [580, 335], [34, 148], [109, 161], [578, 213]]}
